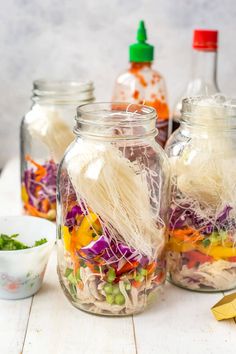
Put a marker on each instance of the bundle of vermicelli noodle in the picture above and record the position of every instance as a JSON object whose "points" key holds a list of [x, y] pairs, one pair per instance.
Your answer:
{"points": [[49, 128], [206, 169], [110, 185]]}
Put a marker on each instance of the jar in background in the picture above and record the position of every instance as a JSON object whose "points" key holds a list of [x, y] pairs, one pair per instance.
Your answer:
{"points": [[202, 215], [46, 132], [112, 206]]}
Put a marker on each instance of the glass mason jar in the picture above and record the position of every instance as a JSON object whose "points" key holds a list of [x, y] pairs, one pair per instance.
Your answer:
{"points": [[112, 205], [202, 214], [46, 131]]}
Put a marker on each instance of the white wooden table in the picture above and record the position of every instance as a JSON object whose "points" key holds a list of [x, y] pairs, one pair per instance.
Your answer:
{"points": [[180, 323]]}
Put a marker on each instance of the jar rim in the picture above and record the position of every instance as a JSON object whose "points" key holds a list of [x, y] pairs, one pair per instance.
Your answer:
{"points": [[226, 104], [118, 120], [46, 87], [127, 112]]}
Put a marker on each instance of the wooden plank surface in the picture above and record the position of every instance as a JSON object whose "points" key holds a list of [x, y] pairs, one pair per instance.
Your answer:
{"points": [[181, 323], [13, 323], [56, 327]]}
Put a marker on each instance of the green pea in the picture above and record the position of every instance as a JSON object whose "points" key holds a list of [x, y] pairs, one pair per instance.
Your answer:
{"points": [[68, 272], [108, 288], [77, 275], [139, 277], [110, 299], [116, 290], [71, 278], [111, 275], [143, 271], [127, 286], [119, 299]]}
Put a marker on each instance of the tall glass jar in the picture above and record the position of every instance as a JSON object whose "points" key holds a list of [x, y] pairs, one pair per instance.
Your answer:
{"points": [[202, 215], [46, 131], [112, 204]]}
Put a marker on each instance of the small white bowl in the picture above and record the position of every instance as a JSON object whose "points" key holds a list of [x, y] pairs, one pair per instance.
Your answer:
{"points": [[22, 271]]}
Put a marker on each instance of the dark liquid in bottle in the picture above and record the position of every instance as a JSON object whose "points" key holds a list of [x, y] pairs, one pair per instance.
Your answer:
{"points": [[175, 125]]}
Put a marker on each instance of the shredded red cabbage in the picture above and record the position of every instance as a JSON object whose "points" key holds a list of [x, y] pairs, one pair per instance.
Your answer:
{"points": [[181, 216], [71, 220], [47, 185], [111, 251]]}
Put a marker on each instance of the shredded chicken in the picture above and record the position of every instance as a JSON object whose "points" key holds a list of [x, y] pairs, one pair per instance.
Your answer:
{"points": [[219, 275]]}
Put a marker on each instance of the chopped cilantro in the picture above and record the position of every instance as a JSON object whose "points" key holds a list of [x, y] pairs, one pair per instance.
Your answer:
{"points": [[8, 243], [40, 242], [206, 242]]}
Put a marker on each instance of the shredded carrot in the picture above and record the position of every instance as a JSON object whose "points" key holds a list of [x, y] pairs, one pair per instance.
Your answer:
{"points": [[151, 267], [158, 279], [80, 285], [45, 205], [91, 267], [127, 267], [33, 211], [187, 235], [136, 284], [40, 172], [136, 94]]}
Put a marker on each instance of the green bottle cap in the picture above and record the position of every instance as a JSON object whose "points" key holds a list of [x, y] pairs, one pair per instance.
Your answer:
{"points": [[141, 51]]}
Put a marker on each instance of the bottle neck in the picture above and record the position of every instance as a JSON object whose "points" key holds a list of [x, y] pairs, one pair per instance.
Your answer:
{"points": [[134, 66], [204, 68]]}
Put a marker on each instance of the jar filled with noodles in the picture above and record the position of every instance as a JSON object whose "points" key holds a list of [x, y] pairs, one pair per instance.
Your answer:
{"points": [[112, 205], [46, 131], [202, 213]]}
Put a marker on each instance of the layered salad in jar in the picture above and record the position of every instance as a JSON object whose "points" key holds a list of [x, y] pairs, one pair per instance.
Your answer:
{"points": [[202, 214], [111, 246]]}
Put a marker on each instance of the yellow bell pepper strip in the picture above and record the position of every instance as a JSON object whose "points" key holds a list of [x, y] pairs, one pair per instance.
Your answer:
{"points": [[83, 235], [218, 252], [66, 238], [180, 246], [86, 232], [24, 195]]}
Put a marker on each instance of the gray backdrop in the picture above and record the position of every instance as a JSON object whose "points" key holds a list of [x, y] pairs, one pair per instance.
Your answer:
{"points": [[89, 40]]}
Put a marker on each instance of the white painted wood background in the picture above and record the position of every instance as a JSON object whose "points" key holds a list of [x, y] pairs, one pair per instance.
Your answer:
{"points": [[180, 323]]}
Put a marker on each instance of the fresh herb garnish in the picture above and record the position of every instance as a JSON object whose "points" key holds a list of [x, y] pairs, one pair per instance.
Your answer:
{"points": [[206, 242], [8, 243], [40, 242]]}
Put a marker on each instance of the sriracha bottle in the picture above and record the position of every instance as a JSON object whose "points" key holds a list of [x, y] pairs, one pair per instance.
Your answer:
{"points": [[142, 84]]}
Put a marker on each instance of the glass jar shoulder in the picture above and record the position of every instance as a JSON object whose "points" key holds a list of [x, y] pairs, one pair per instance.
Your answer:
{"points": [[177, 142], [127, 148]]}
